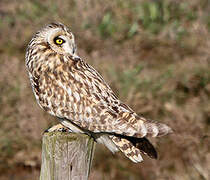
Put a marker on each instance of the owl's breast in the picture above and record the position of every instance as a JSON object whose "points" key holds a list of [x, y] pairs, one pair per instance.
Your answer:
{"points": [[61, 92]]}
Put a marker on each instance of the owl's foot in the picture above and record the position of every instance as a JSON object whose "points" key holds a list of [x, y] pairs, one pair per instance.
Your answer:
{"points": [[59, 128], [62, 128]]}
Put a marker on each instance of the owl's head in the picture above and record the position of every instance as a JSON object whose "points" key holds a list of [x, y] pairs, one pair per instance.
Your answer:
{"points": [[56, 37]]}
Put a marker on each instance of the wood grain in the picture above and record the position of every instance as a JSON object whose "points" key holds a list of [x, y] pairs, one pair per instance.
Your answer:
{"points": [[66, 156]]}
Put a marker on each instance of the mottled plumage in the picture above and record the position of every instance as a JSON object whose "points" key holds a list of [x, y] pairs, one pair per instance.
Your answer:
{"points": [[67, 87]]}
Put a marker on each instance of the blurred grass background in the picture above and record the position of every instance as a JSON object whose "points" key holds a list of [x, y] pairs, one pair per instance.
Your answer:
{"points": [[154, 54]]}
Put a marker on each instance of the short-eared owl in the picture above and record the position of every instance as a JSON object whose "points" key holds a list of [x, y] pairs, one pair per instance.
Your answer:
{"points": [[67, 87]]}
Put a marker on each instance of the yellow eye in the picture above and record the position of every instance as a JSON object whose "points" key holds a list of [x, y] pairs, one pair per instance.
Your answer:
{"points": [[58, 41]]}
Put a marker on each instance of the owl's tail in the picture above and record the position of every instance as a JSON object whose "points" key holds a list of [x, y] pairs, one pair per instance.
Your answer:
{"points": [[133, 147], [153, 129]]}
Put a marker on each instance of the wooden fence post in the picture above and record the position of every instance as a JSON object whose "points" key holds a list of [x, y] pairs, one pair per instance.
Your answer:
{"points": [[66, 156]]}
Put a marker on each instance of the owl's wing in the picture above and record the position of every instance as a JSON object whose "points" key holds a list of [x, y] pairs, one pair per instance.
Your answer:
{"points": [[81, 96]]}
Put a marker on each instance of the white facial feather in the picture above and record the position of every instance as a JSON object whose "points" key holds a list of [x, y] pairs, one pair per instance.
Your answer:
{"points": [[69, 44], [50, 34]]}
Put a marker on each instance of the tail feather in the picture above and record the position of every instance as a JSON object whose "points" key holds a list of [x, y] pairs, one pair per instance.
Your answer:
{"points": [[141, 144], [144, 146], [126, 147], [133, 145], [152, 129]]}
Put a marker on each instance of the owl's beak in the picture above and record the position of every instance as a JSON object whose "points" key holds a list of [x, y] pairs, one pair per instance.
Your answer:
{"points": [[76, 57], [73, 49]]}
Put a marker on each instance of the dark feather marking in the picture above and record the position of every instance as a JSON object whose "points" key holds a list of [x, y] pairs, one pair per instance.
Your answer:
{"points": [[46, 108], [115, 108], [112, 114], [145, 146], [64, 65], [56, 25], [36, 84]]}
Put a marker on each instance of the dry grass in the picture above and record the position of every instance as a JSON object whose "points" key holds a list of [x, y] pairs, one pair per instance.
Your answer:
{"points": [[154, 54]]}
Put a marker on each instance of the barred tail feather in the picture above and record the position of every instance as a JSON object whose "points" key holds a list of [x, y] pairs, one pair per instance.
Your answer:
{"points": [[152, 129], [157, 129], [126, 147], [144, 146]]}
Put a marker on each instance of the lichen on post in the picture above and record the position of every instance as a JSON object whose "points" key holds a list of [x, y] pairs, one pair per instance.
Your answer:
{"points": [[66, 156]]}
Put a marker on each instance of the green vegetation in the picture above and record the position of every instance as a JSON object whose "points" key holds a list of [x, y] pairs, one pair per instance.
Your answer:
{"points": [[154, 54]]}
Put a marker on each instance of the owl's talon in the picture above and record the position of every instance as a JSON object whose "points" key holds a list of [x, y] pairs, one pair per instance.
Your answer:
{"points": [[58, 128]]}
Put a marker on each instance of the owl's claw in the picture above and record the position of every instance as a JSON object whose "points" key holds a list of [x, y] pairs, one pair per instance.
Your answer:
{"points": [[58, 128]]}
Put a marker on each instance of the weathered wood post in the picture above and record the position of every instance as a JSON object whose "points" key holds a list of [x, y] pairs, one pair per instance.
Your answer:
{"points": [[66, 156]]}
